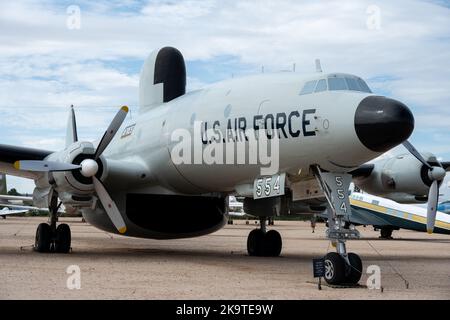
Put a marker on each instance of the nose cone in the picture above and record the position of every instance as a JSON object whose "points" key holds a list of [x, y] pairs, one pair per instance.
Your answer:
{"points": [[383, 123]]}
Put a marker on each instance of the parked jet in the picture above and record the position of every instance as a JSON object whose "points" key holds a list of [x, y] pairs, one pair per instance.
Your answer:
{"points": [[327, 125], [388, 215], [444, 207], [6, 212]]}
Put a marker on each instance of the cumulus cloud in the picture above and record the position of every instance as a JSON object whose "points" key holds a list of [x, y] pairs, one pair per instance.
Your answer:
{"points": [[45, 66]]}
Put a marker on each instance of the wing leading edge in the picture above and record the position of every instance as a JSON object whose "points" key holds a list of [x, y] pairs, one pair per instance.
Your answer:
{"points": [[10, 154]]}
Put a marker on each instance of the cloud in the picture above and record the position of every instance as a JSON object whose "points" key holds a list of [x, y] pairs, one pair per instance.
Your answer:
{"points": [[45, 67]]}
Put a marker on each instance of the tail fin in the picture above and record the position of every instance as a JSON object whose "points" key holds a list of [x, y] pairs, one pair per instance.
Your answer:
{"points": [[3, 188], [163, 78]]}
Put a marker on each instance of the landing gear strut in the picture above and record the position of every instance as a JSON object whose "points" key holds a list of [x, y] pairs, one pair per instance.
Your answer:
{"points": [[261, 243], [386, 233], [52, 238], [340, 267]]}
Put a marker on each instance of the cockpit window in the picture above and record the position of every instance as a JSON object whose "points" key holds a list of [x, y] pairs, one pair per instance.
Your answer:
{"points": [[364, 86], [309, 87], [336, 82], [321, 86], [353, 84]]}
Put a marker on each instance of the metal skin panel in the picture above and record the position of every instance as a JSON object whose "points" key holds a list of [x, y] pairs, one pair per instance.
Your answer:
{"points": [[335, 145]]}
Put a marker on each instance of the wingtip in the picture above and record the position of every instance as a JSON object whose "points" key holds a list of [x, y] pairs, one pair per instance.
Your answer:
{"points": [[125, 108]]}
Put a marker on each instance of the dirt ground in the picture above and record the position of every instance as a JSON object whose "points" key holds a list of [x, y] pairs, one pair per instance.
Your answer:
{"points": [[413, 265]]}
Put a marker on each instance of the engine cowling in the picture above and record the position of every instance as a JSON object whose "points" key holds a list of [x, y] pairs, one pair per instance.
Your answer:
{"points": [[73, 188], [403, 178]]}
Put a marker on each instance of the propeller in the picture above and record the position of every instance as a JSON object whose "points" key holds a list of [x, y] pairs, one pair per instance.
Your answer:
{"points": [[88, 167], [436, 175]]}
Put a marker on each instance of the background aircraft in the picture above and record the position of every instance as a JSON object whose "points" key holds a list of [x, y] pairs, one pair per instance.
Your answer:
{"points": [[6, 212], [328, 125], [388, 215], [19, 203], [444, 207]]}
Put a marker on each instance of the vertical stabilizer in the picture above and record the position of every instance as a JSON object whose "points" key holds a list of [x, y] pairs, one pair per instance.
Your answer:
{"points": [[163, 78]]}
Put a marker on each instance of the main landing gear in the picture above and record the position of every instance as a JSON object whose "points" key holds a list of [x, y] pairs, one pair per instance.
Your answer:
{"points": [[386, 233], [263, 243], [340, 267], [52, 238]]}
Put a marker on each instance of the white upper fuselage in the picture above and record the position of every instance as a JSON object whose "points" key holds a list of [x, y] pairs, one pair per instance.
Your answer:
{"points": [[324, 135]]}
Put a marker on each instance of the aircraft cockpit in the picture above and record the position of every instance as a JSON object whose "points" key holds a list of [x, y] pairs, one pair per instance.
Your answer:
{"points": [[335, 82]]}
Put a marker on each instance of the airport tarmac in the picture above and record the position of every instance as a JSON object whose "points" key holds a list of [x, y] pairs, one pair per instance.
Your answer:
{"points": [[215, 266]]}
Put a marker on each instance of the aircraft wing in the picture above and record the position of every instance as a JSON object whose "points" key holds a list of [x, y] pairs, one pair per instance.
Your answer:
{"points": [[11, 154], [27, 208], [17, 198], [9, 212]]}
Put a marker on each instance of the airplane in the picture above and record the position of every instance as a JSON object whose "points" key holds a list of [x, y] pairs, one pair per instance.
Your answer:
{"points": [[6, 211], [18, 203], [387, 215], [235, 207], [444, 207], [314, 133]]}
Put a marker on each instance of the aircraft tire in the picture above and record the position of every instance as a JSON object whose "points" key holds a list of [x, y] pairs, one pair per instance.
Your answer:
{"points": [[334, 268], [273, 243], [255, 243], [63, 238], [43, 238], [386, 233], [354, 270]]}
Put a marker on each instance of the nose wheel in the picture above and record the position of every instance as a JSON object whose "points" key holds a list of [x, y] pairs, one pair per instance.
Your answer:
{"points": [[261, 243], [339, 271]]}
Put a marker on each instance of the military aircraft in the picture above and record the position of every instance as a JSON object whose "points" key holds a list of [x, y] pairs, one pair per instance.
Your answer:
{"points": [[319, 131]]}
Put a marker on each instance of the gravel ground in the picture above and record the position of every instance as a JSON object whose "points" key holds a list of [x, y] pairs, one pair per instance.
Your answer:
{"points": [[413, 265]]}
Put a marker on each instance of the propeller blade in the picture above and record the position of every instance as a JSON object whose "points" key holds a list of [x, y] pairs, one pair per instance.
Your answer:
{"points": [[415, 153], [433, 198], [44, 166], [71, 133], [111, 131], [109, 205]]}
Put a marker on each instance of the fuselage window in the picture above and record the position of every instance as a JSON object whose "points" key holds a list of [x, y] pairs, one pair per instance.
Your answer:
{"points": [[321, 85], [309, 87]]}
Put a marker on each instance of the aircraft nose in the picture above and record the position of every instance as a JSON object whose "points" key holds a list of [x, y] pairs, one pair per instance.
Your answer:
{"points": [[382, 123]]}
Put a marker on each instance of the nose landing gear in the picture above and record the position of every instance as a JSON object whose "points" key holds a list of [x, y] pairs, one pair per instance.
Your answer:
{"points": [[340, 267], [261, 243]]}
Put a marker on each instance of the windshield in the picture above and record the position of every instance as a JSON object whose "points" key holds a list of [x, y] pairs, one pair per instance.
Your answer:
{"points": [[335, 83]]}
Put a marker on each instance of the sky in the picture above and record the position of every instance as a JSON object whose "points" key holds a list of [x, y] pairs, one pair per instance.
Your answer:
{"points": [[89, 54]]}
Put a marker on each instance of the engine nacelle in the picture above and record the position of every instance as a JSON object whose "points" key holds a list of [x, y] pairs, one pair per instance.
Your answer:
{"points": [[73, 188], [402, 179]]}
